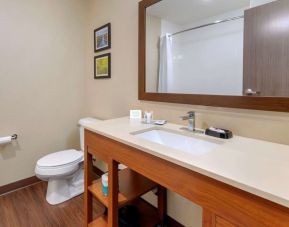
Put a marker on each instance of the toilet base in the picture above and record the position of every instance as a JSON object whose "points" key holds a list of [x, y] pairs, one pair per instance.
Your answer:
{"points": [[60, 190]]}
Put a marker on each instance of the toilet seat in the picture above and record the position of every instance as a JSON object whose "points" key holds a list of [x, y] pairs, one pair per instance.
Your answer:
{"points": [[60, 158], [59, 163]]}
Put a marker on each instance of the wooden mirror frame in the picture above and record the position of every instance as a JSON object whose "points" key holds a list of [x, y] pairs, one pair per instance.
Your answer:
{"points": [[243, 102]]}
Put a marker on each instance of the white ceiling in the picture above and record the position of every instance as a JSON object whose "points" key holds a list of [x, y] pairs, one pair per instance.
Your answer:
{"points": [[187, 11]]}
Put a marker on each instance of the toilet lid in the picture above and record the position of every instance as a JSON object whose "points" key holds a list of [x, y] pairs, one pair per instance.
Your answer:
{"points": [[60, 158]]}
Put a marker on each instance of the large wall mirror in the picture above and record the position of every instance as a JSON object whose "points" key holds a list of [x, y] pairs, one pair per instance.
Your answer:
{"points": [[216, 53]]}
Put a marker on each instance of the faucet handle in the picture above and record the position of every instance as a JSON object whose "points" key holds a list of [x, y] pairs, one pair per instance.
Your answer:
{"points": [[191, 113]]}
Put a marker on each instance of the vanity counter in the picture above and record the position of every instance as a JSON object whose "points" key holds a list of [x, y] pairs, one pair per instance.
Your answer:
{"points": [[255, 166]]}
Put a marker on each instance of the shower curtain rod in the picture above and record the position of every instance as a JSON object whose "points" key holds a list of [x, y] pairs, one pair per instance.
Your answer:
{"points": [[209, 24]]}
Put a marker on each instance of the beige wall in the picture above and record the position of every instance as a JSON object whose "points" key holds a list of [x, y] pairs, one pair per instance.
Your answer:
{"points": [[41, 80], [113, 98]]}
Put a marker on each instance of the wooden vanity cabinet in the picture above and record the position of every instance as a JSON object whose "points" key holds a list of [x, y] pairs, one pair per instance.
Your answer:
{"points": [[212, 220], [221, 222], [223, 205], [125, 188]]}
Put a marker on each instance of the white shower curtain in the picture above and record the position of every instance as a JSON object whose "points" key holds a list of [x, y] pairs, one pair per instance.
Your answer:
{"points": [[166, 63]]}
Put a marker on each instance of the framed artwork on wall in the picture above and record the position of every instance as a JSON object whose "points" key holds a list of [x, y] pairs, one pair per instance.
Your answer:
{"points": [[102, 38], [102, 66]]}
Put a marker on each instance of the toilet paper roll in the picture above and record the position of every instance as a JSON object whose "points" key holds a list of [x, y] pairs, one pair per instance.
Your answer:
{"points": [[5, 140]]}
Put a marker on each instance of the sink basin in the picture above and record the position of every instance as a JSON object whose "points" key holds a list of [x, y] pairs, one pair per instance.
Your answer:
{"points": [[185, 143]]}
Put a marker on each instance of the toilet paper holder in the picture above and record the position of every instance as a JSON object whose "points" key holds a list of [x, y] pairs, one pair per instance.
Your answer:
{"points": [[8, 139], [14, 137]]}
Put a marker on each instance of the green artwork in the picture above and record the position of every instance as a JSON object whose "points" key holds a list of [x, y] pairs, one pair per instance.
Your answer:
{"points": [[102, 66]]}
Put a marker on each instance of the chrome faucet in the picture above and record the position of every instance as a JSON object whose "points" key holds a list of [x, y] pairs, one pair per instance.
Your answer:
{"points": [[191, 117]]}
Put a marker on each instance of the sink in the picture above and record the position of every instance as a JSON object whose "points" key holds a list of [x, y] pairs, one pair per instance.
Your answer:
{"points": [[195, 145]]}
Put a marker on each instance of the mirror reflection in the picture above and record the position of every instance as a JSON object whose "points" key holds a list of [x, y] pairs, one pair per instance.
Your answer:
{"points": [[196, 47]]}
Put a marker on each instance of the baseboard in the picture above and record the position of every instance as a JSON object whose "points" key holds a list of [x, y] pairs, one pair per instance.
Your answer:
{"points": [[29, 181], [18, 184]]}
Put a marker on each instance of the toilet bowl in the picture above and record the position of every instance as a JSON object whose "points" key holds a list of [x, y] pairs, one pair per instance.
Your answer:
{"points": [[64, 171]]}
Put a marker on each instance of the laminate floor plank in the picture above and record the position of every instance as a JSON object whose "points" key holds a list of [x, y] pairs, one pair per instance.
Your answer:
{"points": [[27, 207]]}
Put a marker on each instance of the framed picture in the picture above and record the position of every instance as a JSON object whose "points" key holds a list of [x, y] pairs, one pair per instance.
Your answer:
{"points": [[102, 38], [102, 65]]}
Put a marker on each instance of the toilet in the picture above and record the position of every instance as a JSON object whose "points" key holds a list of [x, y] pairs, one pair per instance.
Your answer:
{"points": [[64, 171]]}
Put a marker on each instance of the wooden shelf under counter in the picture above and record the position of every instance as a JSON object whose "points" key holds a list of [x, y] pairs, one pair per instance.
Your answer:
{"points": [[148, 215], [99, 222], [125, 188], [131, 186]]}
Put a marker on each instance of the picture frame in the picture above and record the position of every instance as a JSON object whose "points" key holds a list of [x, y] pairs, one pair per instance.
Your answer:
{"points": [[102, 38], [102, 66]]}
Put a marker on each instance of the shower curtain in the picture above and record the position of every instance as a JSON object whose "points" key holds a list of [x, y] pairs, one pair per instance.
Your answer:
{"points": [[165, 63]]}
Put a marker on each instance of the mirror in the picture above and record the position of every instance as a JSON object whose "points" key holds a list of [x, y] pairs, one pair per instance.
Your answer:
{"points": [[196, 47]]}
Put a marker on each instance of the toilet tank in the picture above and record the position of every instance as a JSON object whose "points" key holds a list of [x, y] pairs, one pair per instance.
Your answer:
{"points": [[82, 122]]}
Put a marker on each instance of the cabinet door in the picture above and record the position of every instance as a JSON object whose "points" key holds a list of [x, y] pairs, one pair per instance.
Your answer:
{"points": [[212, 220], [266, 49]]}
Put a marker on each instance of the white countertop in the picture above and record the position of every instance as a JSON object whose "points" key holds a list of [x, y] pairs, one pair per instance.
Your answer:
{"points": [[255, 166]]}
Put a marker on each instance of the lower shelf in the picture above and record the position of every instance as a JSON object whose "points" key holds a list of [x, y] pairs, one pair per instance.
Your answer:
{"points": [[148, 215], [99, 222], [131, 186]]}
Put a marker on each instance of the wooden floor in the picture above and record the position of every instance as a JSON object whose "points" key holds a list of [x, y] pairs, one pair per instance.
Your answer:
{"points": [[27, 207]]}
